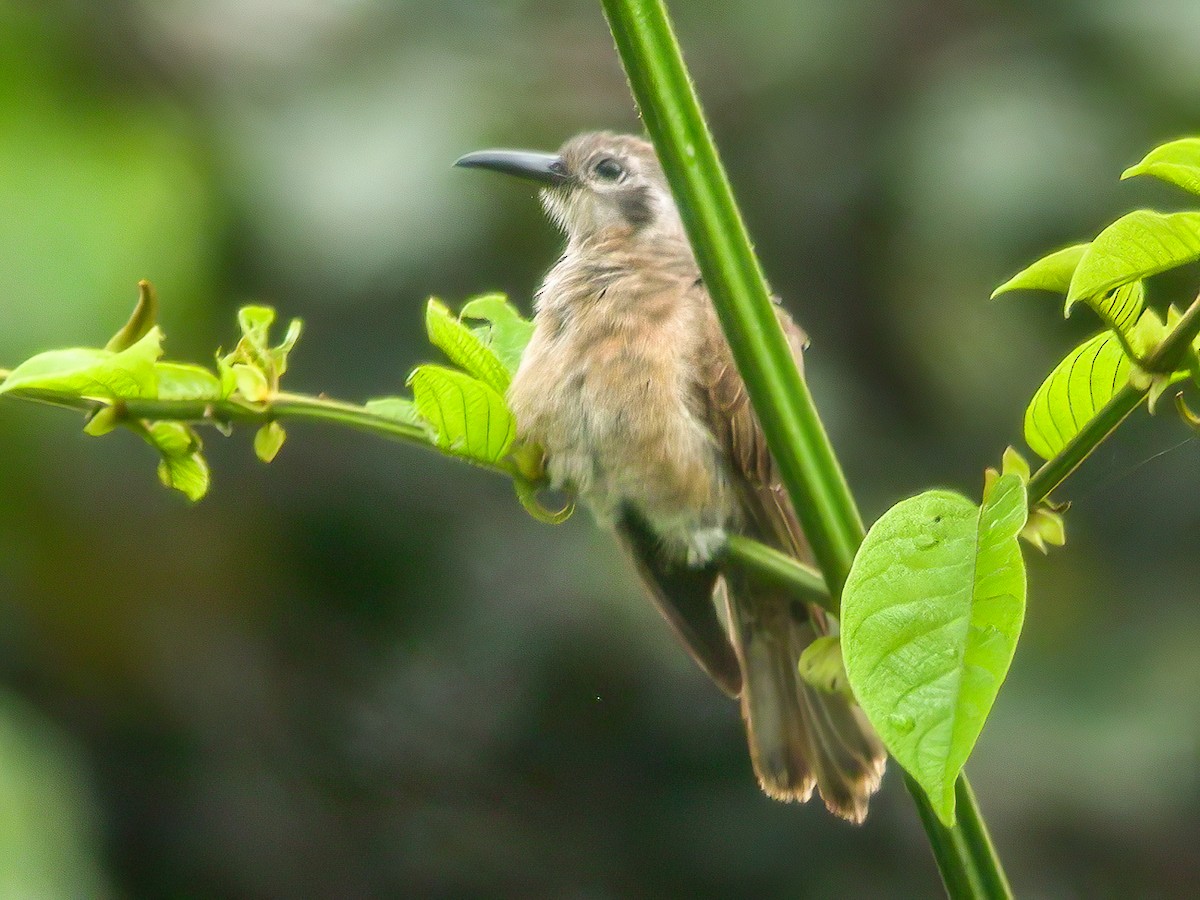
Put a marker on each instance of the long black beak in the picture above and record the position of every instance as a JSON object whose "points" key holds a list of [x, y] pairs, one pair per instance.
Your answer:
{"points": [[544, 168]]}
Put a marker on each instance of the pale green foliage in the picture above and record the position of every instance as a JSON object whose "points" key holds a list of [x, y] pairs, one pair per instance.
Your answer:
{"points": [[254, 368], [398, 409], [821, 665], [1120, 309], [930, 617], [87, 372], [268, 440], [468, 418], [1074, 392], [184, 381], [464, 347], [504, 329], [1050, 273], [182, 465], [1177, 162], [461, 412], [1137, 245]]}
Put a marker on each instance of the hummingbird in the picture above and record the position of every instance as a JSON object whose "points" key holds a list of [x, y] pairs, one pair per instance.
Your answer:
{"points": [[629, 387]]}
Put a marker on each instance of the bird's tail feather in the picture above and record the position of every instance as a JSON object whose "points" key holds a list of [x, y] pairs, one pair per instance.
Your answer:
{"points": [[800, 737]]}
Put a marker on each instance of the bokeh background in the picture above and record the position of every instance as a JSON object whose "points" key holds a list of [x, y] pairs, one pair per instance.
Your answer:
{"points": [[363, 670]]}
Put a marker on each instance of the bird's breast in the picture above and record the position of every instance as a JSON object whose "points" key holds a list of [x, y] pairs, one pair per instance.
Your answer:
{"points": [[612, 399]]}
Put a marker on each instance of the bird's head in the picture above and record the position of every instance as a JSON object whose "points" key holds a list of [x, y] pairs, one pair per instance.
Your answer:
{"points": [[595, 183]]}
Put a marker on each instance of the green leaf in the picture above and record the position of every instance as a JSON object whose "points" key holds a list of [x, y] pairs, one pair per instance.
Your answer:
{"points": [[182, 466], [187, 474], [1044, 529], [464, 347], [1137, 245], [470, 419], [104, 420], [1177, 162], [145, 314], [821, 664], [400, 409], [1074, 392], [255, 323], [183, 381], [1050, 273], [268, 440], [171, 438], [251, 382], [507, 332], [1120, 309], [279, 353], [931, 613], [84, 372]]}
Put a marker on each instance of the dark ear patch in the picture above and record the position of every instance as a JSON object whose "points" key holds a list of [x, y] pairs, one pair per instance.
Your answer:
{"points": [[636, 206]]}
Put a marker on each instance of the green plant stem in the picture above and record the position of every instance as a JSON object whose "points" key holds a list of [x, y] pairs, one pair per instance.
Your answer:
{"points": [[732, 275], [809, 469], [282, 406], [1165, 360], [964, 854], [769, 565]]}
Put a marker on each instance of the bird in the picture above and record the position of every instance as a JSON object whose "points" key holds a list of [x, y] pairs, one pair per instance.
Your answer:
{"points": [[629, 388]]}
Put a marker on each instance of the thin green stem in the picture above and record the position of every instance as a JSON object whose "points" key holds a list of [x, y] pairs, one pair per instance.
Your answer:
{"points": [[732, 274], [965, 856], [808, 467], [282, 406], [772, 567], [1165, 360]]}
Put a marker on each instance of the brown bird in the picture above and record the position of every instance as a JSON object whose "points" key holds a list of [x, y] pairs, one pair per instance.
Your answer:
{"points": [[629, 387]]}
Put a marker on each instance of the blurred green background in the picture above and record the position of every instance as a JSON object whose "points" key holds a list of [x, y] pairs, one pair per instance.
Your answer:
{"points": [[363, 670]]}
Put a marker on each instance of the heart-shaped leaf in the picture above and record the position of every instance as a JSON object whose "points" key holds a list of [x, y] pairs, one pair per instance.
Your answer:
{"points": [[931, 613]]}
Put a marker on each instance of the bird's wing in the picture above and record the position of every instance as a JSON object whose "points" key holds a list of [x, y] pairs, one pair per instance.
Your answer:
{"points": [[799, 737], [739, 434]]}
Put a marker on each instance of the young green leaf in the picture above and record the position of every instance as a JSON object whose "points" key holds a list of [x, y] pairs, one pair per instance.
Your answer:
{"points": [[83, 372], [1176, 162], [1137, 245], [279, 353], [1120, 310], [1045, 528], [182, 466], [1050, 273], [268, 440], [188, 474], [183, 381], [145, 314], [1074, 392], [400, 409], [507, 332], [255, 323], [251, 382], [821, 665], [469, 417], [464, 348], [931, 613]]}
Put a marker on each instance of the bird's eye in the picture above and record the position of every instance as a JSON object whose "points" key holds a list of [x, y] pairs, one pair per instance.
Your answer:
{"points": [[608, 169]]}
